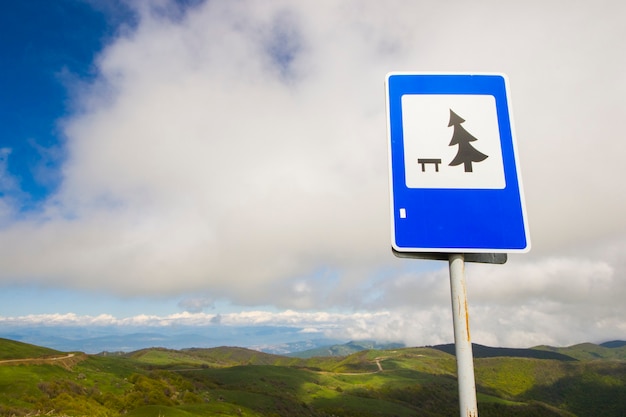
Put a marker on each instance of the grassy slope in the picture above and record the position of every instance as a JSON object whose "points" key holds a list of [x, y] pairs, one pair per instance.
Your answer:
{"points": [[10, 349]]}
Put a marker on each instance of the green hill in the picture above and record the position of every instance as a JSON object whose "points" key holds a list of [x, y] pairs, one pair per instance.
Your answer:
{"points": [[230, 356], [229, 381], [590, 351], [10, 349], [346, 349], [614, 344]]}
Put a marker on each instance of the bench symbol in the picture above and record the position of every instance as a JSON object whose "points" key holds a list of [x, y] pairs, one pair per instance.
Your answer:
{"points": [[433, 161]]}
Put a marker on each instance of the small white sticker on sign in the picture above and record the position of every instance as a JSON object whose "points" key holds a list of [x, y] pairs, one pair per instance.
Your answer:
{"points": [[452, 141]]}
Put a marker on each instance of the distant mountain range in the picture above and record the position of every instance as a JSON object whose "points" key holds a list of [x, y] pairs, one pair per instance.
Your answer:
{"points": [[614, 350], [268, 339]]}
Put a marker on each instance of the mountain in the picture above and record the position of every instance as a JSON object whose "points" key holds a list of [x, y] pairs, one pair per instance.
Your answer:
{"points": [[346, 349], [614, 344], [480, 351], [292, 348], [590, 351]]}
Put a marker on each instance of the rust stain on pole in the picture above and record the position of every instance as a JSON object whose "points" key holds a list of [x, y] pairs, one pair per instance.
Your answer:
{"points": [[464, 304], [467, 327], [463, 346], [463, 308]]}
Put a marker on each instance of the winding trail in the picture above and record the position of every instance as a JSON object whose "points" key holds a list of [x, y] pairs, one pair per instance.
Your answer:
{"points": [[39, 360], [376, 360]]}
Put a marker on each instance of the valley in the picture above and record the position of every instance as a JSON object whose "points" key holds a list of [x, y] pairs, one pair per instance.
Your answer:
{"points": [[582, 380]]}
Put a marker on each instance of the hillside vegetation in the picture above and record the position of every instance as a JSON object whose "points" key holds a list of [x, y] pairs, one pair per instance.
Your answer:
{"points": [[585, 380], [10, 349]]}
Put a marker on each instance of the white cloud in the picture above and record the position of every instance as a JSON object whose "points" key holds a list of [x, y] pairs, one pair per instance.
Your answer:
{"points": [[523, 324], [310, 330], [566, 280], [240, 150]]}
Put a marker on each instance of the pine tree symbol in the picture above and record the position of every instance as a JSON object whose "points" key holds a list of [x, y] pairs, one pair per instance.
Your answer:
{"points": [[466, 153]]}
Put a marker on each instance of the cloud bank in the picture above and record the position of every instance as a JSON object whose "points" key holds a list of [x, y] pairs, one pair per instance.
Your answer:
{"points": [[238, 149]]}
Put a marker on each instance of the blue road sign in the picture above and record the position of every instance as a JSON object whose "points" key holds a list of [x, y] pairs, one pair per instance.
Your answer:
{"points": [[455, 181]]}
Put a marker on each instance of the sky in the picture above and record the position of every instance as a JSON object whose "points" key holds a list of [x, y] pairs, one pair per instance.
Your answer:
{"points": [[171, 161]]}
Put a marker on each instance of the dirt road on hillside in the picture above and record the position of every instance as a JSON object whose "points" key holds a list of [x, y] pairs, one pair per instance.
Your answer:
{"points": [[37, 360]]}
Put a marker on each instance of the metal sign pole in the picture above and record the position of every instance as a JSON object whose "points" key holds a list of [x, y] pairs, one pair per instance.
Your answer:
{"points": [[462, 340]]}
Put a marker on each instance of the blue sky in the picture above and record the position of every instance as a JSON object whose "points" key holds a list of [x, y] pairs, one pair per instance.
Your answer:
{"points": [[47, 48], [161, 158]]}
